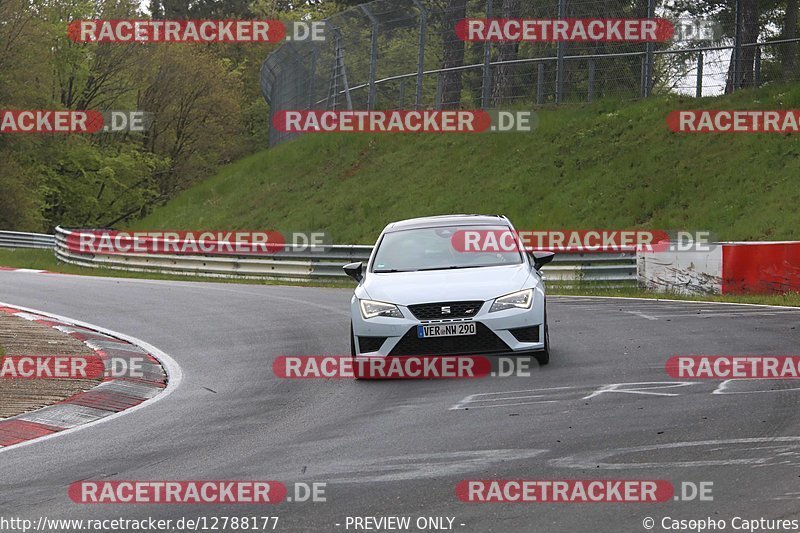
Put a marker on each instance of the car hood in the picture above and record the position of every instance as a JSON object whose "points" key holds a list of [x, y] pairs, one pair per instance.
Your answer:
{"points": [[407, 288]]}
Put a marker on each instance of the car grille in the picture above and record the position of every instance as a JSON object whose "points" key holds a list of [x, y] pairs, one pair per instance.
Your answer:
{"points": [[457, 310], [370, 344], [527, 334], [484, 342]]}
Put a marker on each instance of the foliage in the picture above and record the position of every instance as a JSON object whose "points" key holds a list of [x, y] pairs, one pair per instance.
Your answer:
{"points": [[203, 98]]}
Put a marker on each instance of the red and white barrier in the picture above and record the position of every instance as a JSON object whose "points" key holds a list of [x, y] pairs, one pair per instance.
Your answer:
{"points": [[725, 268], [761, 267], [685, 272]]}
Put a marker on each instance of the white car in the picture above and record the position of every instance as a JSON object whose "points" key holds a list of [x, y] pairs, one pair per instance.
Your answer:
{"points": [[420, 295]]}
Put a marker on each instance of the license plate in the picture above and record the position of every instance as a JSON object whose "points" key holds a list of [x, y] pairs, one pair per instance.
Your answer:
{"points": [[446, 330]]}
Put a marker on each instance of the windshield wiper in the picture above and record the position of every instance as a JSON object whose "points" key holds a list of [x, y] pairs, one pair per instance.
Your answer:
{"points": [[451, 267]]}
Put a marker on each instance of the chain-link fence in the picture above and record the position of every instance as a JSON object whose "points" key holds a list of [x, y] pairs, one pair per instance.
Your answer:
{"points": [[405, 54]]}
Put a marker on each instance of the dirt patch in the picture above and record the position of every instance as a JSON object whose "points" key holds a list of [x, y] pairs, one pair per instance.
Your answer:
{"points": [[24, 337]]}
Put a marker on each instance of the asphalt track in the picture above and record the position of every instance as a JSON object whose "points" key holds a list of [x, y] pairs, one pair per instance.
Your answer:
{"points": [[400, 447]]}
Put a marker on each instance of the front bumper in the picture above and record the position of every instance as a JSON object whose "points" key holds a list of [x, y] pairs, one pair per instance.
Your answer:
{"points": [[501, 332]]}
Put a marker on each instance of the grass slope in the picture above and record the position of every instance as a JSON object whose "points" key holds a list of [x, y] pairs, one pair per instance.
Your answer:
{"points": [[605, 165]]}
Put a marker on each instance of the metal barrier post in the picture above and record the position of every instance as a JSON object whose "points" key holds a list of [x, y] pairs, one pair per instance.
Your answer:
{"points": [[649, 48], [560, 52], [486, 94], [423, 29], [540, 83], [373, 59], [699, 89]]}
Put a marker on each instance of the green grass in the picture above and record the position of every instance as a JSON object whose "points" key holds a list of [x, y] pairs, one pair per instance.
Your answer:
{"points": [[605, 165]]}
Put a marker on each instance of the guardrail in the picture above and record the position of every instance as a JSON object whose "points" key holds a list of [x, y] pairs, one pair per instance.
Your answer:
{"points": [[18, 239], [610, 269]]}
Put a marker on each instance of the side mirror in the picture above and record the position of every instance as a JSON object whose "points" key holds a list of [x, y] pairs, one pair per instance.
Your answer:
{"points": [[541, 258], [355, 271]]}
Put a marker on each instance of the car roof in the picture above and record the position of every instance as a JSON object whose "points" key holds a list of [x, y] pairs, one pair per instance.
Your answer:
{"points": [[447, 220]]}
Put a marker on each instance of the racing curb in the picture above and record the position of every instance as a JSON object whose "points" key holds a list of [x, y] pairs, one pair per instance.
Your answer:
{"points": [[160, 376]]}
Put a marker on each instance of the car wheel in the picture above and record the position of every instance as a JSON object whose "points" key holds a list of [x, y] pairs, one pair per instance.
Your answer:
{"points": [[356, 373], [543, 357]]}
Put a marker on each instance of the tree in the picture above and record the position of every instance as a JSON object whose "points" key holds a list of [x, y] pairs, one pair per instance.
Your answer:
{"points": [[749, 31], [196, 100], [453, 50], [788, 53], [503, 87]]}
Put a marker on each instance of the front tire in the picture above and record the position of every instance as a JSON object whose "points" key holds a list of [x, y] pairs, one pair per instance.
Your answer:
{"points": [[543, 357], [352, 342], [356, 373]]}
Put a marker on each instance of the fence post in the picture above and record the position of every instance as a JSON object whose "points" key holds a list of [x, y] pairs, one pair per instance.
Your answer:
{"points": [[312, 86], [373, 59], [699, 85], [540, 83], [590, 96], [333, 89], [649, 47], [562, 14], [487, 67], [643, 76], [423, 29], [757, 73]]}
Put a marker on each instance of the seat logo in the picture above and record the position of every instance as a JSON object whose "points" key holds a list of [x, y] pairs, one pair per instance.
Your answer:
{"points": [[446, 310]]}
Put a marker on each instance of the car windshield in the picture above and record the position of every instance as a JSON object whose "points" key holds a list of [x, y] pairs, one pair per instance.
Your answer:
{"points": [[433, 249]]}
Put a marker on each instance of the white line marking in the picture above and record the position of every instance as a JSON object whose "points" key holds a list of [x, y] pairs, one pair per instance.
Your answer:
{"points": [[706, 302], [595, 460], [525, 391], [722, 388], [419, 466], [511, 398], [732, 314], [467, 407], [640, 314], [615, 387]]}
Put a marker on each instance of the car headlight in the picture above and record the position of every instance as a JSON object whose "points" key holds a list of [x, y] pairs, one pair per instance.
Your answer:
{"points": [[519, 300], [371, 309]]}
